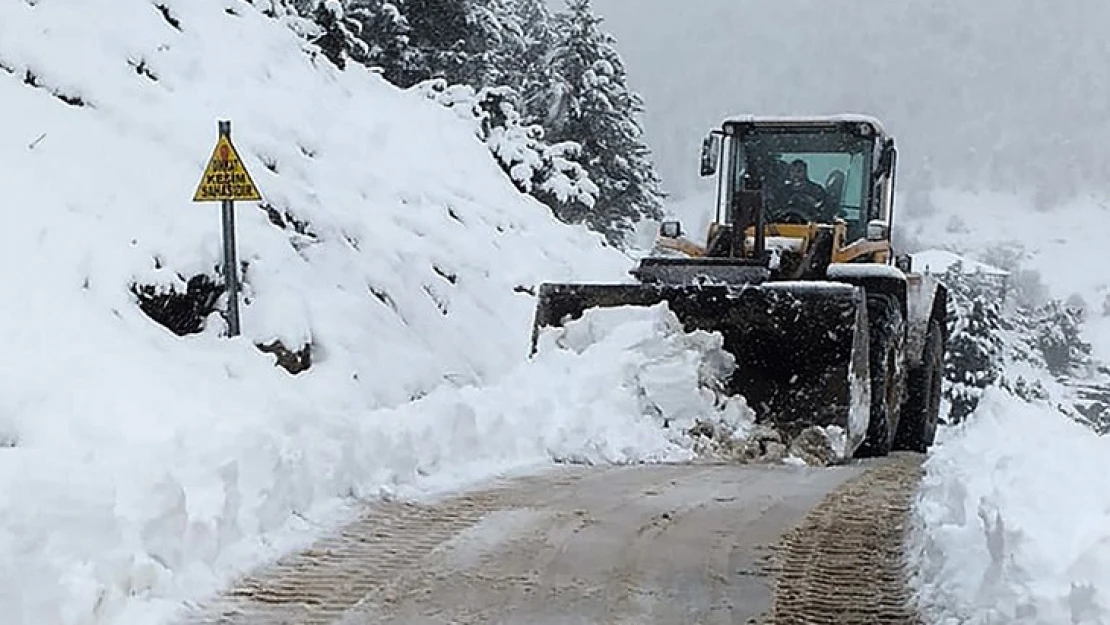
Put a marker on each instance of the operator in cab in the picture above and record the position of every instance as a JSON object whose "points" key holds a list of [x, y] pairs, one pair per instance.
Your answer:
{"points": [[804, 196]]}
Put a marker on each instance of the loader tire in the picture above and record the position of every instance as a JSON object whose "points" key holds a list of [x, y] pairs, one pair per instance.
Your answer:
{"points": [[887, 334], [921, 411]]}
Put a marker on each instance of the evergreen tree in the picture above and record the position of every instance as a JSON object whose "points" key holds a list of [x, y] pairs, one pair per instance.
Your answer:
{"points": [[441, 39], [275, 8], [1012, 348], [974, 358], [340, 28], [481, 43], [557, 110], [387, 35], [593, 106], [496, 55], [532, 67], [472, 42], [1057, 333], [550, 173], [295, 14], [496, 41]]}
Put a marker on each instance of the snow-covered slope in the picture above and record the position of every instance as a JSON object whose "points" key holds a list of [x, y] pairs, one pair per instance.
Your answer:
{"points": [[1058, 242], [145, 466], [1011, 520], [399, 197], [1062, 245]]}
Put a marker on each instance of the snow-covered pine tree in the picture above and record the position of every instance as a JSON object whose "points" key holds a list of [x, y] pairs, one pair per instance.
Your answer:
{"points": [[1018, 348], [274, 8], [594, 107], [532, 68], [340, 28], [441, 39], [473, 42], [297, 15], [502, 52], [495, 44], [547, 172], [974, 358], [386, 33], [1057, 332]]}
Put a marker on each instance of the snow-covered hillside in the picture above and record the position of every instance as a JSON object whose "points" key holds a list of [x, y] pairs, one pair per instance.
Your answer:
{"points": [[1057, 242], [143, 468], [1055, 251], [1009, 526]]}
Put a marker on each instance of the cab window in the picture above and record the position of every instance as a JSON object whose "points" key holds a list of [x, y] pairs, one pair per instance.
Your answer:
{"points": [[836, 161]]}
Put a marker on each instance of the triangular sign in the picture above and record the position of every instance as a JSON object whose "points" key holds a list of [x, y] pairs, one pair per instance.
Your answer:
{"points": [[226, 178]]}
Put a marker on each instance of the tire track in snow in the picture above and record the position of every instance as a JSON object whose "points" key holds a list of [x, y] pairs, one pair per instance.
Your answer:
{"points": [[844, 563]]}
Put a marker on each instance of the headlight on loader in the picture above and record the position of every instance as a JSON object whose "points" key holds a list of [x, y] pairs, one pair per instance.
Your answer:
{"points": [[877, 230]]}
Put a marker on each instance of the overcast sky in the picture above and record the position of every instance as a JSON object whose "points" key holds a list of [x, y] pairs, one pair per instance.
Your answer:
{"points": [[1008, 94]]}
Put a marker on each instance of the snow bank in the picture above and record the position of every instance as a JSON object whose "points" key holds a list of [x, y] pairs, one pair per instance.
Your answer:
{"points": [[405, 216], [147, 467], [1013, 520], [124, 537]]}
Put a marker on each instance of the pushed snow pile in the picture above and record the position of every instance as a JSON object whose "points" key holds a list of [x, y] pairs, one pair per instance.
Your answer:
{"points": [[674, 379], [1011, 520], [679, 380], [116, 535]]}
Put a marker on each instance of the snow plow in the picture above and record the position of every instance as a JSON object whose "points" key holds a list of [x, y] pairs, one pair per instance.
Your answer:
{"points": [[828, 326]]}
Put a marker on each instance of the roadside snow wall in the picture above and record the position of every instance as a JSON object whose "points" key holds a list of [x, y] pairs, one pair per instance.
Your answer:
{"points": [[138, 464], [127, 536], [1011, 521]]}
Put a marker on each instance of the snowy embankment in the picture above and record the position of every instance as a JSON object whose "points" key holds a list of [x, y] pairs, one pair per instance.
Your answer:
{"points": [[141, 468], [618, 386], [1013, 520]]}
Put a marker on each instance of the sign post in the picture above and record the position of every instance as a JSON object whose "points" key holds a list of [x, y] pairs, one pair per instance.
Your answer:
{"points": [[226, 180], [231, 267]]}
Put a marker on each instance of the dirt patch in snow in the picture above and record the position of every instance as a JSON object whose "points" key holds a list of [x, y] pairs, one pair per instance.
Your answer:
{"points": [[763, 444]]}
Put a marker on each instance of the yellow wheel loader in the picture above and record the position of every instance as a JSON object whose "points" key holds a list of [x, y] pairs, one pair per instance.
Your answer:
{"points": [[828, 326]]}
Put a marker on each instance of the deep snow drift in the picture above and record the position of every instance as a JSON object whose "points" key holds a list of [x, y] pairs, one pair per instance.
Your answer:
{"points": [[144, 466], [618, 386], [1012, 520]]}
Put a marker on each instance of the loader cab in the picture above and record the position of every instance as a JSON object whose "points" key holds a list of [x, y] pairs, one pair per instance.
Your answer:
{"points": [[849, 161]]}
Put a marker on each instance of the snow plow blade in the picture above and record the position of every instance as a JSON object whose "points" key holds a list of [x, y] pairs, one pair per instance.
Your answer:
{"points": [[801, 349]]}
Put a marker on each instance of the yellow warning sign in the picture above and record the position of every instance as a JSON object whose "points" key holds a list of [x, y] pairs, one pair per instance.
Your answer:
{"points": [[225, 178]]}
